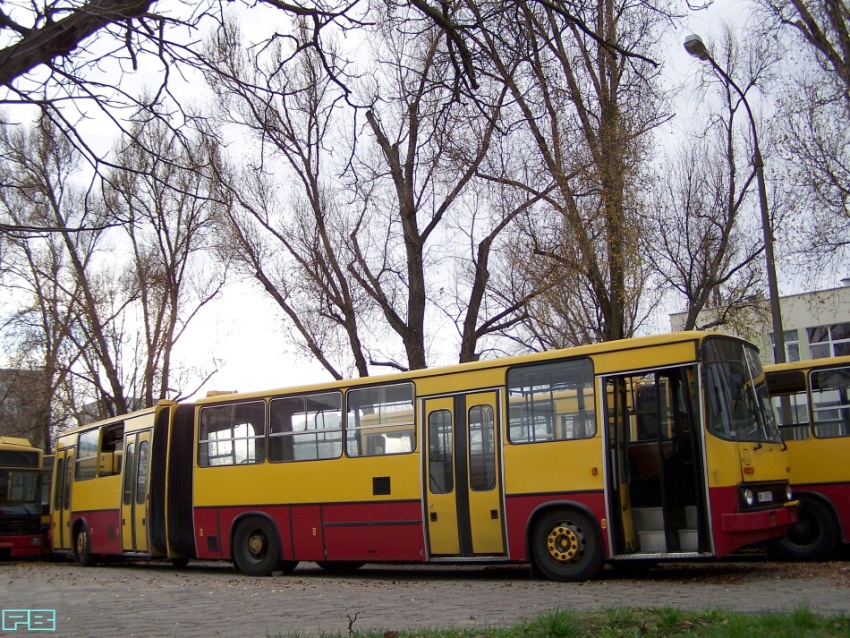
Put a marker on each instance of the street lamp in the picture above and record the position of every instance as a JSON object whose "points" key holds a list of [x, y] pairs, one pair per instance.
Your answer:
{"points": [[695, 47]]}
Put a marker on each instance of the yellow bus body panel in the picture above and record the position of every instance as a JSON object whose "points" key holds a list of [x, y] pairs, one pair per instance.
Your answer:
{"points": [[728, 462], [816, 461], [560, 466], [95, 495], [343, 480], [671, 354]]}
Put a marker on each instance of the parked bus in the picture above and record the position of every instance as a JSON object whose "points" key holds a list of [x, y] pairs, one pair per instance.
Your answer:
{"points": [[21, 531], [657, 448], [812, 403]]}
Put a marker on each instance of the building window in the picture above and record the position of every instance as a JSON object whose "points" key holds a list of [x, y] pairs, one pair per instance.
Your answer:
{"points": [[829, 341], [792, 345]]}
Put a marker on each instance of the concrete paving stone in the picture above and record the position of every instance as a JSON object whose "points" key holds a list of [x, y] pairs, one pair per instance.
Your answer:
{"points": [[210, 599]]}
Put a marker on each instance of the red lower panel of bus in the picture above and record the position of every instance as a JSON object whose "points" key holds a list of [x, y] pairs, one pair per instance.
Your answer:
{"points": [[734, 529], [521, 507], [22, 546], [104, 530], [385, 531], [838, 494]]}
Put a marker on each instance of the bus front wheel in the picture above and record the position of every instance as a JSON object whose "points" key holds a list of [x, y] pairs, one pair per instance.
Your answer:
{"points": [[256, 551], [814, 537], [565, 546], [82, 548]]}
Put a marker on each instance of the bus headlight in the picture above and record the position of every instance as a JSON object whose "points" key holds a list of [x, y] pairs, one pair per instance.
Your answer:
{"points": [[788, 492], [749, 499]]}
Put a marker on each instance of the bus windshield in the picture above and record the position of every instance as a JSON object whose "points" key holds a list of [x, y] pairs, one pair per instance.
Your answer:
{"points": [[19, 491], [738, 404]]}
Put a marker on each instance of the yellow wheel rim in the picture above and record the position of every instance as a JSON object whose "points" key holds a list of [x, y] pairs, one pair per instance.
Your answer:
{"points": [[564, 543], [257, 544]]}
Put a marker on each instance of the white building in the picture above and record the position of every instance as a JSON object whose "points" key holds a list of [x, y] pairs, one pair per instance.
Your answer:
{"points": [[815, 324]]}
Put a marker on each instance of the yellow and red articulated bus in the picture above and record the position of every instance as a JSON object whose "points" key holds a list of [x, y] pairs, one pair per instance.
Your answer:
{"points": [[812, 403], [21, 534], [653, 449]]}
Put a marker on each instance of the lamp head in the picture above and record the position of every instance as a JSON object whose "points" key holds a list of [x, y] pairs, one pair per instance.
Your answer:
{"points": [[695, 47]]}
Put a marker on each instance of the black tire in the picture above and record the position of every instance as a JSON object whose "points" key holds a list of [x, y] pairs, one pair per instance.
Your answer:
{"points": [[565, 546], [179, 563], [82, 548], [256, 549], [814, 537], [340, 566]]}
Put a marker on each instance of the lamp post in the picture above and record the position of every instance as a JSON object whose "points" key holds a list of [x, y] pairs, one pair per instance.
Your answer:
{"points": [[695, 47]]}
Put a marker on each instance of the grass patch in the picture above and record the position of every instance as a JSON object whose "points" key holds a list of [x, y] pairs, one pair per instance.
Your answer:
{"points": [[624, 622]]}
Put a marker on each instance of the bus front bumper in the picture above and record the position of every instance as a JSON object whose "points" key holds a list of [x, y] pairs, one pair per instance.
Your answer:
{"points": [[779, 517], [23, 546]]}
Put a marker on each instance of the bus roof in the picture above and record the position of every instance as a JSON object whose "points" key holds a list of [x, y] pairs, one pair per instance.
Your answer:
{"points": [[606, 347], [113, 419], [16, 441], [808, 364]]}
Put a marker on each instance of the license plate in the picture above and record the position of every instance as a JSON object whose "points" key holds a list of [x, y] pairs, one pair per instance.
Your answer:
{"points": [[765, 497]]}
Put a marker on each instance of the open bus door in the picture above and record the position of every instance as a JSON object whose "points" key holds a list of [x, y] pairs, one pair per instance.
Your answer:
{"points": [[655, 477], [463, 489], [618, 435]]}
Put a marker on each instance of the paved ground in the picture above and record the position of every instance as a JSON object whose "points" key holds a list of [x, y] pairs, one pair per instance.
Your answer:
{"points": [[209, 600]]}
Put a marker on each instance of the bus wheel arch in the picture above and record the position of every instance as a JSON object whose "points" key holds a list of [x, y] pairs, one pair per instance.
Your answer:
{"points": [[82, 545], [816, 534], [564, 543], [255, 546]]}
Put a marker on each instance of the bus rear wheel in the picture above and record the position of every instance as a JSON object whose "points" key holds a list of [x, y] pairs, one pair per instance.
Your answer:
{"points": [[256, 551], [814, 537], [565, 546], [82, 548]]}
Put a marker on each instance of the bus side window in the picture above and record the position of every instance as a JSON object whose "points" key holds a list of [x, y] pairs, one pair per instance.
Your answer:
{"points": [[379, 420], [110, 450], [551, 402], [232, 434], [87, 455], [831, 402], [306, 428]]}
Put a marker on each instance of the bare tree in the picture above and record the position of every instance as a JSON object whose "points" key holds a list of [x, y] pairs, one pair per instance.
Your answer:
{"points": [[37, 318], [423, 175], [356, 251], [77, 300], [814, 100], [706, 240], [588, 110], [170, 206], [824, 25], [698, 240], [293, 245], [42, 180]]}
